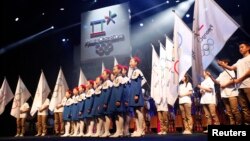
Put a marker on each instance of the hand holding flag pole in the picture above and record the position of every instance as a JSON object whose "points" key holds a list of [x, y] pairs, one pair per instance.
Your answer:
{"points": [[220, 63]]}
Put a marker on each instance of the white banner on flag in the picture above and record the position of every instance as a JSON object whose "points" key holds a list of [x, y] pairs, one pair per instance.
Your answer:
{"points": [[82, 78], [115, 61], [172, 87], [59, 91], [155, 77], [42, 93], [212, 27], [103, 67], [164, 73], [22, 94], [183, 37], [5, 95]]}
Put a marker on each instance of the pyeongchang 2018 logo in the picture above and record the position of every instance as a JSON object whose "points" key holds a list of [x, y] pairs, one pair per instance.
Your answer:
{"points": [[208, 45], [103, 44]]}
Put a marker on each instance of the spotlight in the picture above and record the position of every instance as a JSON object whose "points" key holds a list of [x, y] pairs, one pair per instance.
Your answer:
{"points": [[238, 5], [95, 0], [52, 27], [141, 24], [62, 9], [187, 15], [16, 19], [177, 1], [63, 40], [167, 1], [22, 41], [43, 13], [161, 20]]}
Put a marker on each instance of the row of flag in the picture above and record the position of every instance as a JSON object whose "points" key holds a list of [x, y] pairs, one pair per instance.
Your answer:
{"points": [[195, 48], [22, 94]]}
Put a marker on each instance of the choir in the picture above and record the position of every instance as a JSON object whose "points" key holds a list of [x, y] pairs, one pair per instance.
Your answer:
{"points": [[116, 97]]}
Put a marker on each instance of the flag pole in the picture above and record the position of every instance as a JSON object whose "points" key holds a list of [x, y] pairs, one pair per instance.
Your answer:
{"points": [[235, 87]]}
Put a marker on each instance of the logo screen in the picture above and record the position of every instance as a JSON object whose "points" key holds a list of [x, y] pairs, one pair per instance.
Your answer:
{"points": [[105, 32]]}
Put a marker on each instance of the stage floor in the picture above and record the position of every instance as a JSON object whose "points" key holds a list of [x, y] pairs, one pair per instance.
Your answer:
{"points": [[150, 137]]}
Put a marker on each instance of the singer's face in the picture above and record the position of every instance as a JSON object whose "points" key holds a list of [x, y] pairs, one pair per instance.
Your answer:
{"points": [[244, 49], [124, 72], [132, 63]]}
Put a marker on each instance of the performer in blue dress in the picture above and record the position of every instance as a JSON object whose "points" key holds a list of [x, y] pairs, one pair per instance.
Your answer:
{"points": [[81, 99], [136, 100], [106, 91], [66, 103], [126, 84], [117, 100], [97, 106], [75, 111], [88, 107]]}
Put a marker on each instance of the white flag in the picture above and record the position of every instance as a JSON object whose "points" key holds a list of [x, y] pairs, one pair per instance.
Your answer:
{"points": [[22, 94], [172, 86], [183, 37], [59, 91], [103, 67], [82, 78], [164, 89], [212, 27], [5, 95], [42, 93], [155, 77], [115, 61], [197, 67]]}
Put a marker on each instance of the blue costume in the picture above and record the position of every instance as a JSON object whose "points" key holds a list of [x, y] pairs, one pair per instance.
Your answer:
{"points": [[105, 96], [75, 108], [81, 102], [136, 89], [66, 102], [97, 105], [88, 104], [126, 89], [117, 96]]}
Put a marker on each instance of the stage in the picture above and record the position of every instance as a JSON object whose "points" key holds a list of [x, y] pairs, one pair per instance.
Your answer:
{"points": [[150, 137]]}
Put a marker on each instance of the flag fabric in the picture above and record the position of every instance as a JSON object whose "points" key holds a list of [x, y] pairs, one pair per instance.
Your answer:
{"points": [[103, 67], [59, 91], [197, 67], [42, 93], [5, 95], [82, 78], [183, 42], [22, 94], [164, 88], [171, 85], [155, 77], [115, 61], [212, 27]]}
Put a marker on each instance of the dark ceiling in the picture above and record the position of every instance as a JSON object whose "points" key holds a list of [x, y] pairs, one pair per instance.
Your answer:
{"points": [[47, 51]]}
